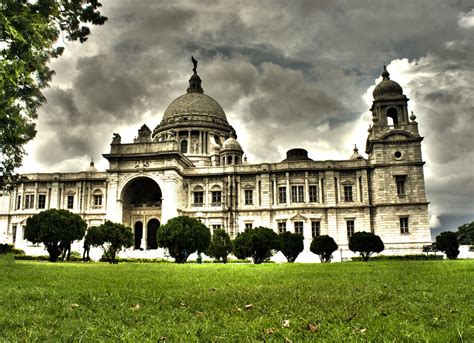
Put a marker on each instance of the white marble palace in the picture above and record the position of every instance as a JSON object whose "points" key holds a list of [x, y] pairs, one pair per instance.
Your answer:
{"points": [[192, 164]]}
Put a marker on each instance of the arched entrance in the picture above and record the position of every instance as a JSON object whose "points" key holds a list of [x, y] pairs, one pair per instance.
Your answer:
{"points": [[141, 200], [152, 229], [142, 192], [138, 234]]}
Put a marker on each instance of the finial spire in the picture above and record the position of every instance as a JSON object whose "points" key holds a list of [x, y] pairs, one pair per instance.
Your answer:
{"points": [[195, 80], [195, 63], [92, 162], [385, 74]]}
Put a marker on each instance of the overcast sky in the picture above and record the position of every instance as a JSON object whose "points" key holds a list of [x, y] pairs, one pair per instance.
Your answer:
{"points": [[287, 74]]}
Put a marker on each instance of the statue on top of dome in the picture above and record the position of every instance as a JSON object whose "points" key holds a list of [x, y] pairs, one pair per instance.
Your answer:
{"points": [[195, 63]]}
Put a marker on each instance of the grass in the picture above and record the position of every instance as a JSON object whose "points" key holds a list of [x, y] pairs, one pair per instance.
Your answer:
{"points": [[379, 301]]}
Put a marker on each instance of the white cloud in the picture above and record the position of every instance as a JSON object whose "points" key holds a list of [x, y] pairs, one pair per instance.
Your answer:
{"points": [[466, 20]]}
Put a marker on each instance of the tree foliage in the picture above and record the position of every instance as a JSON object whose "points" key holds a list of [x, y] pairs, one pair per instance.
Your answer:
{"points": [[54, 228], [291, 244], [257, 243], [220, 246], [111, 238], [447, 242], [366, 243], [323, 246], [183, 236], [465, 234], [29, 31]]}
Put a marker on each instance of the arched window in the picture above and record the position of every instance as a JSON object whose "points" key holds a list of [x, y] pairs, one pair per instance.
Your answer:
{"points": [[97, 199], [184, 146], [229, 159], [236, 159], [392, 113]]}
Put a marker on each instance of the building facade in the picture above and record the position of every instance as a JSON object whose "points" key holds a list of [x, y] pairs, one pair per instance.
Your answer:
{"points": [[192, 164]]}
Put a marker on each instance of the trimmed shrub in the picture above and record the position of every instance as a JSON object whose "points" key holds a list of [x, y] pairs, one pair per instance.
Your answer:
{"points": [[291, 245], [54, 228], [366, 243], [258, 243], [447, 242], [111, 238], [220, 246], [323, 246], [183, 236]]}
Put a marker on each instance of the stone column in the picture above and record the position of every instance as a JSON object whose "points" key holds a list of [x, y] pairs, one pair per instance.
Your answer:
{"points": [[201, 142], [288, 190], [113, 202], [189, 141], [143, 242], [170, 195], [275, 189], [306, 188]]}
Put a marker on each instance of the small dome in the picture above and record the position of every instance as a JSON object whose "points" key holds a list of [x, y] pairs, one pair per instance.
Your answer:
{"points": [[91, 168], [231, 144], [355, 154], [296, 154], [387, 88]]}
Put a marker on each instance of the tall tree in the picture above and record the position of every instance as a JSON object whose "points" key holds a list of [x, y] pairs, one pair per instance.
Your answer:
{"points": [[466, 234], [29, 31]]}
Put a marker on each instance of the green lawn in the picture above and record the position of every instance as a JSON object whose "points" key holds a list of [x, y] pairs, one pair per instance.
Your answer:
{"points": [[378, 301]]}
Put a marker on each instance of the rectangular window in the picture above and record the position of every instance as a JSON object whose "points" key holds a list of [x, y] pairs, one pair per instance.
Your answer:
{"points": [[198, 198], [216, 227], [348, 193], [400, 181], [315, 229], [282, 195], [350, 228], [248, 197], [216, 198], [248, 226], [29, 201], [97, 200], [297, 194], [42, 201], [18, 202], [281, 227], [299, 228], [313, 193], [70, 202], [404, 225]]}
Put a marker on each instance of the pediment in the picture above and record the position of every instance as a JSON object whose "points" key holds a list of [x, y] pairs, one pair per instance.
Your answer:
{"points": [[298, 218]]}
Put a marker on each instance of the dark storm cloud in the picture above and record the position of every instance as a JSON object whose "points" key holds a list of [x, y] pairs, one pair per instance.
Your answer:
{"points": [[288, 74]]}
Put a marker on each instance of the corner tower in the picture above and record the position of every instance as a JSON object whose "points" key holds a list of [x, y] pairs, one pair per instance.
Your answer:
{"points": [[397, 188]]}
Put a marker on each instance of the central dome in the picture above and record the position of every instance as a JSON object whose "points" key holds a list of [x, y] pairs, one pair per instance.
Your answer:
{"points": [[193, 111], [191, 104]]}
